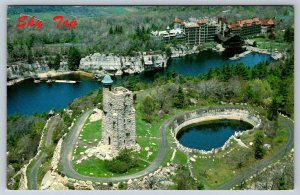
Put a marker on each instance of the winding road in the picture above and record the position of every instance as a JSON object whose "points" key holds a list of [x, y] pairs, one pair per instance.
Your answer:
{"points": [[70, 141], [289, 125], [33, 172]]}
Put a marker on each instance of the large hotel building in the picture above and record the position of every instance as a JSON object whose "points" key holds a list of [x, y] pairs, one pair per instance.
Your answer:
{"points": [[197, 31], [249, 27]]}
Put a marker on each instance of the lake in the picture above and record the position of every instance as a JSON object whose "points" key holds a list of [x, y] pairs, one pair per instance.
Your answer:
{"points": [[28, 97], [211, 134]]}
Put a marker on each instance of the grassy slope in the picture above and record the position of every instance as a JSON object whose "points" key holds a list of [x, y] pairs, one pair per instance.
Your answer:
{"points": [[211, 172]]}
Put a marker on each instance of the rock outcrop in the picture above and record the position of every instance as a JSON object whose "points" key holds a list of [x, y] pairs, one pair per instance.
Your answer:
{"points": [[120, 64]]}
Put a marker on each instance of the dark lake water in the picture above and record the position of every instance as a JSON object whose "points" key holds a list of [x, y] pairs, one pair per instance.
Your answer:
{"points": [[211, 134], [28, 97]]}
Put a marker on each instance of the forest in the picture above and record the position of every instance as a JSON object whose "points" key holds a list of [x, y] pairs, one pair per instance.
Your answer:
{"points": [[118, 30]]}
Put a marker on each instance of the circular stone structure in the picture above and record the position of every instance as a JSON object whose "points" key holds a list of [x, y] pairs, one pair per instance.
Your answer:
{"points": [[204, 115], [210, 134]]}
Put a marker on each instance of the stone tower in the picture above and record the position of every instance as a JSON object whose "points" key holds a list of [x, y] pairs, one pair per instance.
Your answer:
{"points": [[118, 124]]}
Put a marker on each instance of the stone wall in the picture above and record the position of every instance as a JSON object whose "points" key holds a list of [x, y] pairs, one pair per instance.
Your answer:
{"points": [[56, 155], [213, 114], [23, 180], [118, 126]]}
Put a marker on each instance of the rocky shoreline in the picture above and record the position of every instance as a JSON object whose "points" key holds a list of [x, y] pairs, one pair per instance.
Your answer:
{"points": [[49, 74], [98, 64]]}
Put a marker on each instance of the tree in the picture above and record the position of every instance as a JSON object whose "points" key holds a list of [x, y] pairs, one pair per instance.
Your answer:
{"points": [[147, 108], [272, 111], [164, 94], [168, 51], [122, 163], [272, 36], [226, 72], [183, 179], [56, 62], [281, 183], [200, 186], [178, 98], [111, 31], [242, 71], [73, 58], [259, 150], [289, 34], [259, 92], [30, 57]]}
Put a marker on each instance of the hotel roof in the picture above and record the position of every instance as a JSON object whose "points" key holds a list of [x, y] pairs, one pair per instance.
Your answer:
{"points": [[249, 22]]}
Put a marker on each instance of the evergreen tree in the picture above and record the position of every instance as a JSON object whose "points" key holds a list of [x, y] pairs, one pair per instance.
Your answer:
{"points": [[259, 150], [73, 36], [179, 98], [138, 31], [289, 34], [242, 71], [73, 58], [288, 68], [282, 183], [56, 62], [30, 56], [209, 74], [111, 31], [272, 111], [226, 72], [260, 70]]}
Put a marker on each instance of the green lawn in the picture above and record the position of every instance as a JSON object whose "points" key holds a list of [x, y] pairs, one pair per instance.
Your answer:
{"points": [[91, 131], [266, 43], [147, 136], [89, 136], [211, 169], [180, 158], [95, 167], [214, 173]]}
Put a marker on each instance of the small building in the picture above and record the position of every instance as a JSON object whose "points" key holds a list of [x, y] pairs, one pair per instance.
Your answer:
{"points": [[51, 113], [229, 41], [169, 34]]}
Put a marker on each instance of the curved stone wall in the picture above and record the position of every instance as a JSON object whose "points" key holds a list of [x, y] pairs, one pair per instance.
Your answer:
{"points": [[202, 115]]}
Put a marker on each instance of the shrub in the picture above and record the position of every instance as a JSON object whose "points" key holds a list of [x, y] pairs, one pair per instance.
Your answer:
{"points": [[121, 163]]}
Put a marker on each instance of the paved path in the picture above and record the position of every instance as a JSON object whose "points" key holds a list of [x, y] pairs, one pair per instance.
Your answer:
{"points": [[69, 144], [289, 125], [33, 172]]}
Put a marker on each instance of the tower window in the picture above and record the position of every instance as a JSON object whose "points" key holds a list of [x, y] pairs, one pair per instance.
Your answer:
{"points": [[127, 134]]}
